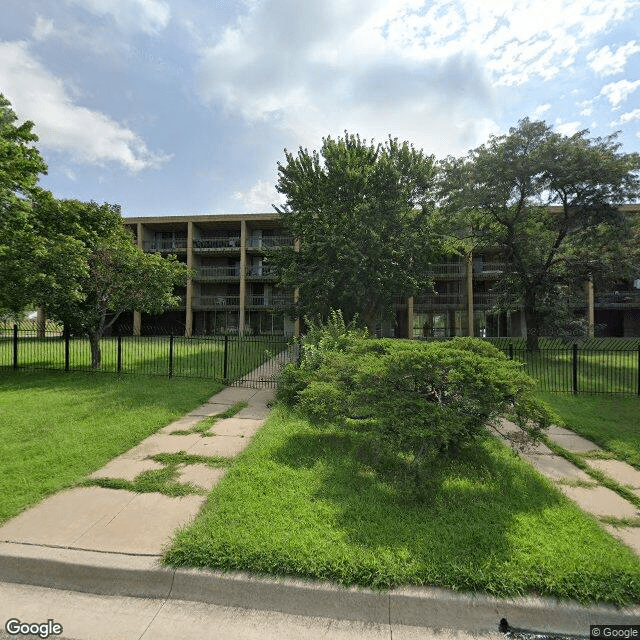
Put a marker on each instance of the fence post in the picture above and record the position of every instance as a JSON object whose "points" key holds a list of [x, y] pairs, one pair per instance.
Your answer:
{"points": [[639, 369], [575, 368], [510, 351], [15, 346], [225, 369], [66, 348], [171, 356], [119, 343]]}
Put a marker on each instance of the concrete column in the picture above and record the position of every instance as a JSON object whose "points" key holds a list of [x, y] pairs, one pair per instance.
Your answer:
{"points": [[137, 316], [470, 293], [41, 322], [188, 332], [410, 318], [243, 268], [591, 316]]}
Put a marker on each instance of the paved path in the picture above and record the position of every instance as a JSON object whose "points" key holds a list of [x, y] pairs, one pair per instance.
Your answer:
{"points": [[109, 542], [572, 481]]}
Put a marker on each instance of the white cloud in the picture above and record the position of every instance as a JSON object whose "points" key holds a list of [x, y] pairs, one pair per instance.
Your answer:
{"points": [[540, 110], [260, 197], [606, 63], [149, 16], [618, 92], [90, 137], [429, 70], [567, 128], [629, 116]]}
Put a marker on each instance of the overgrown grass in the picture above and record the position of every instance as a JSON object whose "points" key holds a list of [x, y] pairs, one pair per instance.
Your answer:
{"points": [[611, 422], [164, 480], [192, 357], [204, 426], [309, 501], [56, 428]]}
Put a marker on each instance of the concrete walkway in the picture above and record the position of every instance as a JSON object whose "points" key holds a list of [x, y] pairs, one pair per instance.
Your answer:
{"points": [[109, 542], [580, 487]]}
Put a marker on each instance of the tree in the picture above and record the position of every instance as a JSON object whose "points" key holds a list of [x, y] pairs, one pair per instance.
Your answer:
{"points": [[113, 275], [551, 205], [20, 167], [360, 214]]}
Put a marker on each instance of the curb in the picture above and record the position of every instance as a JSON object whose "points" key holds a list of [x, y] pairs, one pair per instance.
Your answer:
{"points": [[144, 577]]}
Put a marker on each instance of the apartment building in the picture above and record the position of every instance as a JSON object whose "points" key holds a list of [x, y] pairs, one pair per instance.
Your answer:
{"points": [[235, 290]]}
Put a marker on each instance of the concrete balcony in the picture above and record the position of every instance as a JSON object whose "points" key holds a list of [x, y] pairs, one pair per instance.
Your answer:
{"points": [[488, 270], [280, 301], [262, 272], [165, 246], [216, 302], [484, 300], [446, 270], [207, 244], [269, 242], [219, 274], [438, 301]]}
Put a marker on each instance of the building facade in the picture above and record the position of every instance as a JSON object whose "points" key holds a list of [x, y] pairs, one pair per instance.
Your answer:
{"points": [[234, 289]]}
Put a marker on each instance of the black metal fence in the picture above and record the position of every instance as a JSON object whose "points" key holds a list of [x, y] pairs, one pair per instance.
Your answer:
{"points": [[231, 359], [591, 366]]}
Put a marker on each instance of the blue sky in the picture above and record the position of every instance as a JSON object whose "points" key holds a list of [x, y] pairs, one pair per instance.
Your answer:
{"points": [[172, 107]]}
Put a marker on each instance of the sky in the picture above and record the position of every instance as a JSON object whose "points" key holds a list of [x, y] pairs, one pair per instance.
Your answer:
{"points": [[185, 107]]}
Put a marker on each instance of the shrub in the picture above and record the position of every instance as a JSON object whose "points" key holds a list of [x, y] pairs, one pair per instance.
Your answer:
{"points": [[417, 399]]}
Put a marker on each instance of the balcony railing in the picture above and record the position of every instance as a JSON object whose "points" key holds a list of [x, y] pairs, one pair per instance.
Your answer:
{"points": [[618, 300], [488, 269], [216, 243], [217, 273], [269, 242], [272, 302], [178, 244], [215, 302], [262, 271], [438, 301], [484, 299], [447, 269]]}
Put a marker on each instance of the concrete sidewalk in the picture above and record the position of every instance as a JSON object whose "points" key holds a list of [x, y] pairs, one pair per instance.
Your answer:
{"points": [[109, 542], [578, 485]]}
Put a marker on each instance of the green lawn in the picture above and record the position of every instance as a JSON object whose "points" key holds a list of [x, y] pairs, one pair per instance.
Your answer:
{"points": [[610, 421], [57, 427], [192, 357], [306, 501]]}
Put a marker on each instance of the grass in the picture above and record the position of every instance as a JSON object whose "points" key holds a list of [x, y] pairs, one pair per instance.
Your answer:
{"points": [[192, 357], [204, 426], [611, 422], [307, 501], [163, 480], [56, 428]]}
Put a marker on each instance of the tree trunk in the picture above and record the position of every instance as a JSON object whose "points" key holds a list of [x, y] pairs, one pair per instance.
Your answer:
{"points": [[94, 340], [533, 328]]}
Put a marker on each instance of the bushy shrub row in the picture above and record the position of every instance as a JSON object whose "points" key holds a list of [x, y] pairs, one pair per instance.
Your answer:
{"points": [[420, 398]]}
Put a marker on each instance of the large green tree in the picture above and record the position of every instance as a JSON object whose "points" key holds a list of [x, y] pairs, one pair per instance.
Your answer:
{"points": [[111, 274], [551, 204], [73, 258], [360, 215], [20, 168]]}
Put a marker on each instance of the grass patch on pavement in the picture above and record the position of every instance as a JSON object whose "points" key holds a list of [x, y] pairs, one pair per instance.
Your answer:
{"points": [[204, 426], [56, 428], [304, 500], [609, 421]]}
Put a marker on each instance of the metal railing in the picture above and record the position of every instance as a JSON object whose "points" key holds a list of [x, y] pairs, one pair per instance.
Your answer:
{"points": [[618, 300], [178, 244], [213, 273], [206, 243], [210, 302], [269, 242], [226, 358], [443, 269]]}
